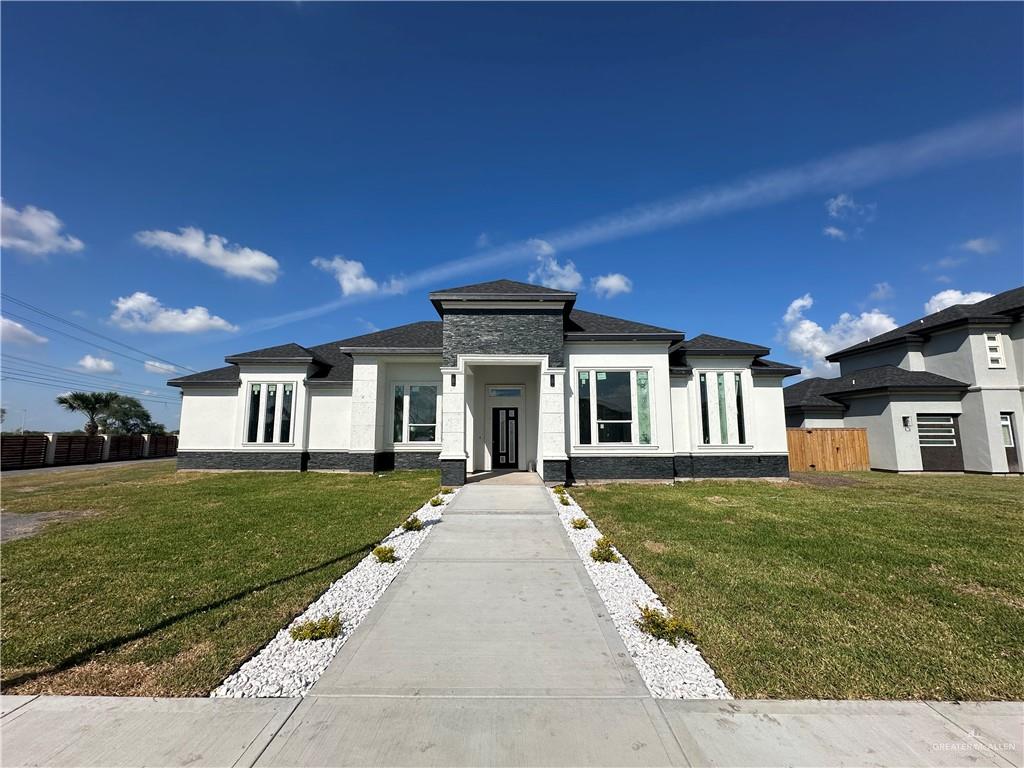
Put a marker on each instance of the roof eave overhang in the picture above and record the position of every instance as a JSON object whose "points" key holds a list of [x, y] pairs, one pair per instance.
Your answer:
{"points": [[565, 298], [390, 350], [318, 383], [664, 337], [837, 407], [245, 359], [781, 372], [749, 351], [208, 384], [910, 340], [938, 389]]}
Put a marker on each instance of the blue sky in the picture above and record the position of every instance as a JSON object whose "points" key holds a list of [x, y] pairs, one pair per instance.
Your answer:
{"points": [[200, 179]]}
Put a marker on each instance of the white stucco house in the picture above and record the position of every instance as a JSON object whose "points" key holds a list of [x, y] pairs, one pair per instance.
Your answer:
{"points": [[943, 393], [511, 377]]}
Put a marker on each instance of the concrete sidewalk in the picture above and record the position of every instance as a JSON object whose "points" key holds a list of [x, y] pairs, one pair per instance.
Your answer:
{"points": [[493, 648]]}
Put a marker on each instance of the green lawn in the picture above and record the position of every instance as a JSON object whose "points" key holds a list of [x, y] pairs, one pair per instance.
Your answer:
{"points": [[177, 578], [837, 586]]}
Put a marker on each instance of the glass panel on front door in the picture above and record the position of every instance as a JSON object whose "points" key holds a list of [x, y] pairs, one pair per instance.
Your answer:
{"points": [[504, 438]]}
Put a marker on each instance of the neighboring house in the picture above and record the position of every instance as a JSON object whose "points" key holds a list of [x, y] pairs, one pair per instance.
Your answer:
{"points": [[945, 392], [511, 377]]}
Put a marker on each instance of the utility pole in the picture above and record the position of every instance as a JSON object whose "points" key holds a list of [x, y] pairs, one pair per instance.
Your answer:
{"points": [[24, 413]]}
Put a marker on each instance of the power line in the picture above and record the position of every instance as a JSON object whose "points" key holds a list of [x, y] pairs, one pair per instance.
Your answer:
{"points": [[64, 387], [78, 384], [71, 323], [102, 378]]}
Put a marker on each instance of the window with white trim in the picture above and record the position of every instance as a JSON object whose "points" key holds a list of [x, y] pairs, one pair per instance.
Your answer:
{"points": [[722, 417], [269, 412], [935, 430], [613, 407], [994, 350], [414, 413], [1006, 426]]}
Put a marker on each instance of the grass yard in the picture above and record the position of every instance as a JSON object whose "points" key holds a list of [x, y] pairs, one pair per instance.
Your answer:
{"points": [[174, 579], [837, 586]]}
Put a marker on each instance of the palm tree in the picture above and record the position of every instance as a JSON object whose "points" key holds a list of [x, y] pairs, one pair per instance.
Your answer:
{"points": [[92, 404]]}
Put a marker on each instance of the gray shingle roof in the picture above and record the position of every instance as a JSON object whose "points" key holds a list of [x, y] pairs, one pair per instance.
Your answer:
{"points": [[762, 366], [719, 345], [496, 288], [226, 375], [582, 324], [425, 334], [818, 392], [999, 307], [288, 351]]}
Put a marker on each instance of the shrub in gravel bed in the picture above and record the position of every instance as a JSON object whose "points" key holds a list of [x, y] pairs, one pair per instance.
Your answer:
{"points": [[385, 554], [437, 501], [412, 524], [660, 625], [579, 523], [565, 501], [559, 489], [446, 490], [319, 629], [603, 552]]}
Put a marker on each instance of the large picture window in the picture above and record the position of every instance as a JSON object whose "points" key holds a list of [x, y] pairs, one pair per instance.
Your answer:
{"points": [[614, 407], [415, 413], [269, 413], [723, 420]]}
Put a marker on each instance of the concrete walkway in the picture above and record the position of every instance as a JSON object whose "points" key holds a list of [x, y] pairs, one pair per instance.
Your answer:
{"points": [[493, 648]]}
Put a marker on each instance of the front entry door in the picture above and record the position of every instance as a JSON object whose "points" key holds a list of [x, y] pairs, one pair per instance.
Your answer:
{"points": [[505, 438]]}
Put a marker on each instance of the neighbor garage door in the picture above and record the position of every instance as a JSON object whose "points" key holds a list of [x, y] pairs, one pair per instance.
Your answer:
{"points": [[939, 437]]}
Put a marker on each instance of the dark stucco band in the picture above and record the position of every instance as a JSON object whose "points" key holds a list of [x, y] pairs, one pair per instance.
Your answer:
{"points": [[341, 461], [583, 468], [555, 471], [244, 460], [453, 471], [732, 466]]}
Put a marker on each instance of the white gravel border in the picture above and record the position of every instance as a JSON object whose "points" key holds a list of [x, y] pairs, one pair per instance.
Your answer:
{"points": [[286, 667], [678, 672]]}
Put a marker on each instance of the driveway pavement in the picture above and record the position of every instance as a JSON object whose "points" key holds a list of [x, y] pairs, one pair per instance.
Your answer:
{"points": [[493, 648]]}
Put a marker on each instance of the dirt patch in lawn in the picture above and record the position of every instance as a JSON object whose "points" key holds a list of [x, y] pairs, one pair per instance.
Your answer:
{"points": [[656, 547], [15, 525], [823, 480]]}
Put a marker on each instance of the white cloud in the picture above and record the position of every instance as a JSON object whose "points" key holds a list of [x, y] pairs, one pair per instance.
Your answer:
{"points": [[607, 286], [96, 364], [541, 247], [34, 231], [945, 279], [215, 251], [980, 245], [844, 208], [562, 277], [12, 332], [155, 366], [812, 342], [881, 292], [988, 136], [834, 232], [351, 276], [951, 297], [483, 240], [142, 312]]}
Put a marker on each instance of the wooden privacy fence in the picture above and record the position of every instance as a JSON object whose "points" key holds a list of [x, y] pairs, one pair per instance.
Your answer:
{"points": [[28, 451], [828, 450], [23, 451]]}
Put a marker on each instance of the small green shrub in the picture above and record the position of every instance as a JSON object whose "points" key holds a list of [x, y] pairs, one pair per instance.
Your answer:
{"points": [[559, 489], [446, 490], [603, 552], [413, 524], [579, 523], [385, 554], [318, 629], [437, 501], [664, 627], [565, 501]]}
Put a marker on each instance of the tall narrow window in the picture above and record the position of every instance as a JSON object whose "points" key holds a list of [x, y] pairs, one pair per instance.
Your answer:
{"points": [[705, 426], [583, 396], [614, 407], [399, 428], [422, 413], [269, 409], [254, 414], [723, 418], [994, 350], [286, 414], [643, 407], [741, 426], [1006, 425]]}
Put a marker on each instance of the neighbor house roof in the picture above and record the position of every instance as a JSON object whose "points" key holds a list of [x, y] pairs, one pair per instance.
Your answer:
{"points": [[816, 393], [998, 309]]}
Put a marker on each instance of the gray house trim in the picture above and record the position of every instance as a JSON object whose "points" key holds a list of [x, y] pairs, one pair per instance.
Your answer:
{"points": [[587, 468], [390, 350], [710, 466], [555, 471], [453, 471]]}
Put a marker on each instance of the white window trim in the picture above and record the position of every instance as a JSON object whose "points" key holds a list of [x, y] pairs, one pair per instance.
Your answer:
{"points": [[596, 445], [1006, 420], [995, 340], [732, 423], [261, 422], [406, 444]]}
